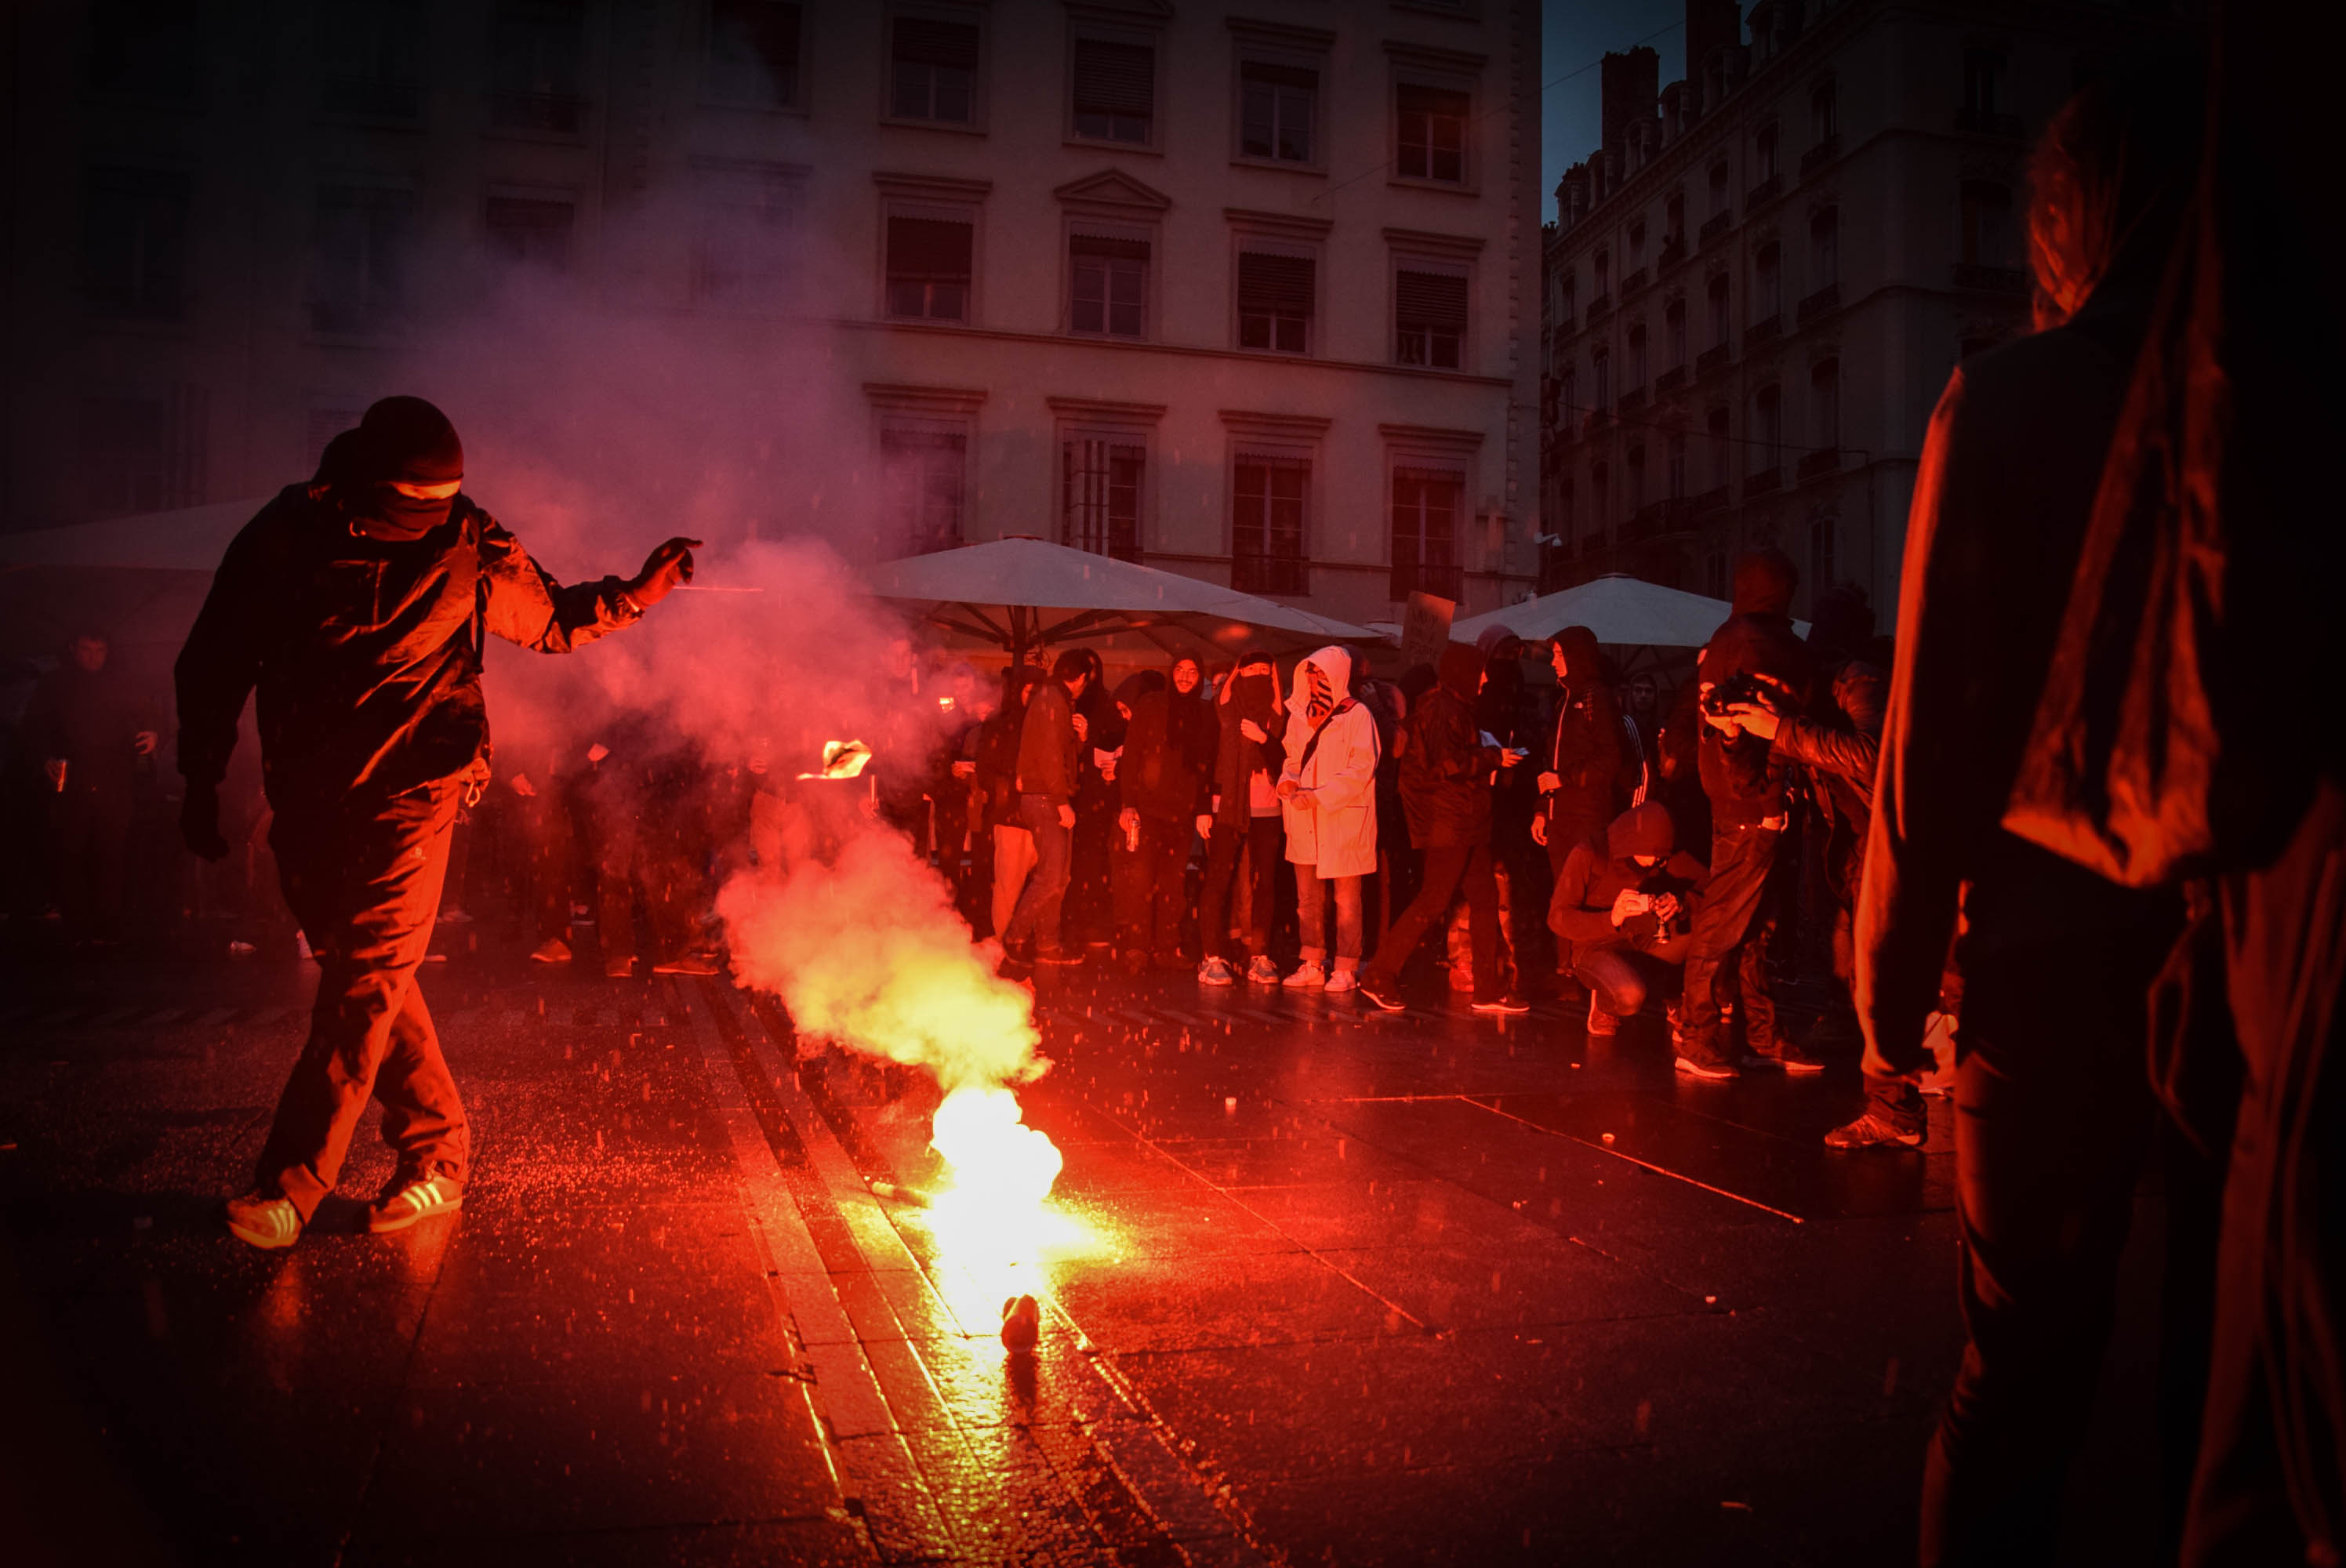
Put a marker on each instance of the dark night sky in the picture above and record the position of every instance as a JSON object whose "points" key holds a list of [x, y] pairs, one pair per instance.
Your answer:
{"points": [[1575, 34]]}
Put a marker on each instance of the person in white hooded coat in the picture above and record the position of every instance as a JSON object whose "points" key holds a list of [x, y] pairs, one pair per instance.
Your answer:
{"points": [[1328, 790]]}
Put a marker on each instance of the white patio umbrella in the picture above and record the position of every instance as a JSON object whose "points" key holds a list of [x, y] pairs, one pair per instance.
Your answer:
{"points": [[190, 539], [1623, 611], [1006, 592]]}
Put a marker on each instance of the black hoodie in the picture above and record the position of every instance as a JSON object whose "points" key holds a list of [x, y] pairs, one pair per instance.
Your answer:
{"points": [[1583, 745], [1443, 764], [1602, 867], [1744, 785]]}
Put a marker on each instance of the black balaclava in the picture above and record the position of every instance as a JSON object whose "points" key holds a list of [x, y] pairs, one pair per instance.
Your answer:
{"points": [[1765, 578], [403, 441], [1254, 694]]}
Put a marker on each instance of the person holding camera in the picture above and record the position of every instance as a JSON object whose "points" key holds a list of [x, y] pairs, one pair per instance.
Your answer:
{"points": [[1749, 791], [1623, 912]]}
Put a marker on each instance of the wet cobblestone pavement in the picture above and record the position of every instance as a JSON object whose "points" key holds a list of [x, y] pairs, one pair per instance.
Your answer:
{"points": [[1333, 1284]]}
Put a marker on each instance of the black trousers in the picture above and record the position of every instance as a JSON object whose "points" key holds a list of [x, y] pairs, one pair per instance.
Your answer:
{"points": [[364, 878], [93, 859], [1445, 868], [1730, 928], [1262, 844], [1148, 883], [1623, 976]]}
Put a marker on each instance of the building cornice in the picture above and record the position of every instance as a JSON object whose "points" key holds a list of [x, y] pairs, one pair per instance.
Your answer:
{"points": [[1434, 58], [1286, 33], [932, 185], [1112, 190], [910, 399], [1108, 408], [1287, 224], [1433, 437], [1427, 241], [1193, 351], [1282, 426]]}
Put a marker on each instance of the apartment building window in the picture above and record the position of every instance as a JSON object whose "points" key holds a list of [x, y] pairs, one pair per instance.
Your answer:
{"points": [[1716, 427], [1107, 273], [537, 55], [1986, 223], [1426, 503], [1767, 281], [1983, 85], [1824, 113], [1768, 427], [1115, 91], [1719, 198], [150, 50], [1715, 299], [1674, 336], [1278, 111], [1638, 244], [743, 238], [1824, 249], [1676, 456], [929, 267], [924, 479], [1601, 265], [1600, 496], [1601, 361], [531, 232], [1269, 497], [1824, 405], [1275, 296], [371, 59], [1569, 283], [1429, 317], [360, 242], [1822, 567], [125, 455], [1100, 490], [1634, 497], [1635, 380], [1567, 394], [932, 70], [1432, 132], [752, 55], [1763, 151], [1674, 223], [1714, 575], [134, 243]]}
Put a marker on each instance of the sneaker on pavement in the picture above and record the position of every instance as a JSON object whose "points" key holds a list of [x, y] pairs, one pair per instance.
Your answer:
{"points": [[1341, 981], [264, 1219], [1261, 970], [1306, 976], [1703, 1062], [1381, 993], [1057, 955], [554, 951], [414, 1195], [618, 968], [688, 963], [454, 917], [1879, 1129], [1510, 1002], [1787, 1058], [1599, 1020], [1215, 971]]}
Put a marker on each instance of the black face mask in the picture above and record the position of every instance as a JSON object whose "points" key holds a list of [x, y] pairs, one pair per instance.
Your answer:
{"points": [[1254, 696], [384, 512]]}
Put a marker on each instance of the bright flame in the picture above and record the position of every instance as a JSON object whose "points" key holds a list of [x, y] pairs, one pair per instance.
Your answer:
{"points": [[841, 760], [1001, 1169]]}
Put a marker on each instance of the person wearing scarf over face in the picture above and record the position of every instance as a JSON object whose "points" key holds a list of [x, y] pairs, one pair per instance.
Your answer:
{"points": [[1245, 824], [1329, 789], [355, 606]]}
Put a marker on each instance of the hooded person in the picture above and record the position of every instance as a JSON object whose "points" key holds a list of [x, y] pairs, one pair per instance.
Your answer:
{"points": [[355, 608], [1050, 741], [1245, 830], [1163, 793], [1580, 767], [1329, 789], [1505, 711], [1446, 771], [1624, 904], [1749, 789]]}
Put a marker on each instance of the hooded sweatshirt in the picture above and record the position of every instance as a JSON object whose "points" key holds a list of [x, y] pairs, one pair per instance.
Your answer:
{"points": [[1239, 763], [1585, 745], [1601, 868], [1334, 762], [1744, 785], [1157, 776], [1444, 766]]}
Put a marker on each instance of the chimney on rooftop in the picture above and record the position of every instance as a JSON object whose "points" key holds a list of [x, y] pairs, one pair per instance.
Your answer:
{"points": [[1629, 85]]}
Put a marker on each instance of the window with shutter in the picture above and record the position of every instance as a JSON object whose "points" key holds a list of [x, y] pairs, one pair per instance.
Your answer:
{"points": [[922, 474], [1115, 90], [752, 56], [1266, 524], [1433, 132], [1108, 284], [358, 271], [371, 59], [1100, 482], [1275, 296], [1430, 318], [1277, 105], [534, 68], [1426, 505], [932, 70], [134, 243], [929, 269], [534, 234]]}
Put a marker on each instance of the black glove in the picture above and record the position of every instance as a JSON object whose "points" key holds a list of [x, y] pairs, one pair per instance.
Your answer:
{"points": [[199, 821]]}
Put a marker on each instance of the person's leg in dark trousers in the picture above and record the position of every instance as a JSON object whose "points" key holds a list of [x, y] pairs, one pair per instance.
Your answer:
{"points": [[1165, 854], [1127, 884], [1444, 867], [1739, 861], [1036, 918], [1614, 975], [1224, 852], [1266, 853], [2052, 1115], [366, 884], [93, 855]]}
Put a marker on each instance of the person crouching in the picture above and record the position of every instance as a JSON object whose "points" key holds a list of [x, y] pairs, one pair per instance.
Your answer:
{"points": [[1623, 911]]}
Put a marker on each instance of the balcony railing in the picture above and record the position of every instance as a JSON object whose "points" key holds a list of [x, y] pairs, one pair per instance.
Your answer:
{"points": [[1767, 190], [1716, 224], [1711, 358], [1271, 574], [1992, 279], [1419, 577], [1763, 482], [1674, 514], [1825, 298], [1766, 330], [1669, 381], [1673, 251], [1633, 400], [1599, 308], [1711, 500], [1824, 460], [1633, 284], [1817, 156], [1980, 122]]}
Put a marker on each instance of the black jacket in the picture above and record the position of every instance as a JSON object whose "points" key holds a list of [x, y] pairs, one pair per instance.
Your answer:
{"points": [[1444, 767], [365, 654], [1745, 784], [1601, 867], [1236, 759], [1840, 760], [1158, 777]]}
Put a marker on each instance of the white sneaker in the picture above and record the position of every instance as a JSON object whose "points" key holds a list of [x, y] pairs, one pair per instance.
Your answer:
{"points": [[1341, 981], [1305, 977], [1262, 971], [1215, 971]]}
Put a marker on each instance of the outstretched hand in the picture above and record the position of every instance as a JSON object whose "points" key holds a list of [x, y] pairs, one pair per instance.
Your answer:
{"points": [[664, 569]]}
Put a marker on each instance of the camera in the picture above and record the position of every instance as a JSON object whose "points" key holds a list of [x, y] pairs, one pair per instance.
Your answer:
{"points": [[1735, 689]]}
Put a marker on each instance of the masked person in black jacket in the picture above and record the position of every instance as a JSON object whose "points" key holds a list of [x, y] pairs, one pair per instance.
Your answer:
{"points": [[1247, 825], [1162, 793], [1445, 788], [355, 606], [1622, 912], [1579, 775], [1749, 793]]}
